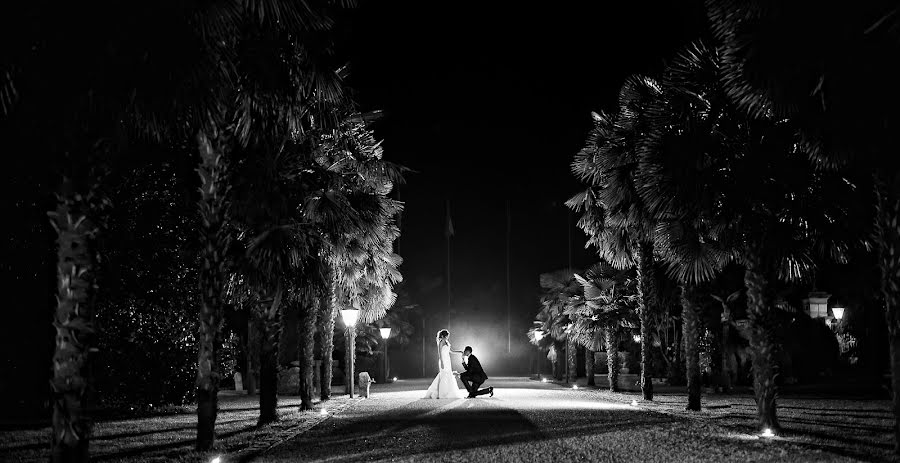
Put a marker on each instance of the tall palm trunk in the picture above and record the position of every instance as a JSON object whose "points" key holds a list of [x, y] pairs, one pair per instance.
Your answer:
{"points": [[307, 351], [571, 359], [690, 325], [73, 321], [647, 301], [328, 337], [559, 366], [252, 354], [715, 355], [887, 241], [726, 331], [270, 331], [214, 240], [612, 358], [763, 348], [589, 367]]}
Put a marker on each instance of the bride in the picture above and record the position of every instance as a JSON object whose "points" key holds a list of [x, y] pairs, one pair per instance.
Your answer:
{"points": [[444, 385]]}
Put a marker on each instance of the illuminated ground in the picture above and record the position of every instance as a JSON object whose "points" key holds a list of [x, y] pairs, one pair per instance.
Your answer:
{"points": [[524, 421]]}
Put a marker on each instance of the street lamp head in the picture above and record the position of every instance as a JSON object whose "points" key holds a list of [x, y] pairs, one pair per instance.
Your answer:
{"points": [[838, 312], [349, 316], [385, 332]]}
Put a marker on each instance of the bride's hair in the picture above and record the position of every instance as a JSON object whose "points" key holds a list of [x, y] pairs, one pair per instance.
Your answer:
{"points": [[441, 335]]}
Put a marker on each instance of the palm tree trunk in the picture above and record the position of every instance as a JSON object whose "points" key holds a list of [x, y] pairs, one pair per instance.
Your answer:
{"points": [[571, 359], [214, 240], [690, 324], [612, 358], [328, 337], [589, 367], [647, 301], [73, 321], [887, 241], [268, 367], [559, 366], [726, 331], [307, 352], [252, 354], [763, 349], [715, 355]]}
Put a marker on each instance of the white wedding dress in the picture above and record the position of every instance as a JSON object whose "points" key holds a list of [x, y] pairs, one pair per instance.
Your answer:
{"points": [[444, 385]]}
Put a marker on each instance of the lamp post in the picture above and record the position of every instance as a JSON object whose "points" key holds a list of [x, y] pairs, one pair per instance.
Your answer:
{"points": [[538, 335], [568, 347], [385, 334], [349, 316]]}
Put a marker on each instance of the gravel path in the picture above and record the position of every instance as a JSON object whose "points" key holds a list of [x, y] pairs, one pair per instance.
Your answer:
{"points": [[525, 421]]}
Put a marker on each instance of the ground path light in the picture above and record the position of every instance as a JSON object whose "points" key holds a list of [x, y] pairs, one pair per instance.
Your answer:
{"points": [[767, 433]]}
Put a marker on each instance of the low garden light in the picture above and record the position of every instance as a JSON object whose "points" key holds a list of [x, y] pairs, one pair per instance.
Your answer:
{"points": [[349, 316], [395, 378], [767, 433], [323, 411], [634, 403], [544, 380], [217, 459], [574, 386]]}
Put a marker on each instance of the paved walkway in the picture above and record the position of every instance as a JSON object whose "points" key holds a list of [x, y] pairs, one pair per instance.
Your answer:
{"points": [[524, 421]]}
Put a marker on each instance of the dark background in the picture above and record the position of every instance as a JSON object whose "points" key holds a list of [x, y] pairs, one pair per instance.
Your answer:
{"points": [[488, 104]]}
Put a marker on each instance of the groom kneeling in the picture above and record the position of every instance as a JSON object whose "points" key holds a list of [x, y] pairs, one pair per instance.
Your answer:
{"points": [[474, 375]]}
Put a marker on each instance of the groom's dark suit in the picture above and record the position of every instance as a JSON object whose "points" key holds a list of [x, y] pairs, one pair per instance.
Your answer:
{"points": [[475, 375]]}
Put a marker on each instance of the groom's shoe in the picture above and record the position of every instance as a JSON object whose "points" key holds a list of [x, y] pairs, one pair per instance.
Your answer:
{"points": [[492, 392]]}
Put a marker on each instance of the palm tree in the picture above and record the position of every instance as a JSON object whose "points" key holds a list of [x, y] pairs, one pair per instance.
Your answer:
{"points": [[608, 305], [560, 291], [840, 94], [703, 167], [358, 255], [614, 216]]}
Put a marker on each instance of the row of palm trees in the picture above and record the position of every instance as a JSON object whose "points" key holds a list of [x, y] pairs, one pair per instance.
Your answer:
{"points": [[722, 159], [294, 205], [680, 176]]}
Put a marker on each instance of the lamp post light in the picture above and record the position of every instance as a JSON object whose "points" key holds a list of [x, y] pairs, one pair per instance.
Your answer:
{"points": [[385, 334], [349, 316], [838, 314]]}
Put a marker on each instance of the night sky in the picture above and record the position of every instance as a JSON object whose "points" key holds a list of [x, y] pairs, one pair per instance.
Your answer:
{"points": [[488, 104]]}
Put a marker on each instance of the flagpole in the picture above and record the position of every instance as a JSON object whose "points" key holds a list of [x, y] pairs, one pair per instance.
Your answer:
{"points": [[508, 328], [449, 233]]}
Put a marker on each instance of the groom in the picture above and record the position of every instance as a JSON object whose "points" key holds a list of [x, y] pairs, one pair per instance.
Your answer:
{"points": [[474, 374]]}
